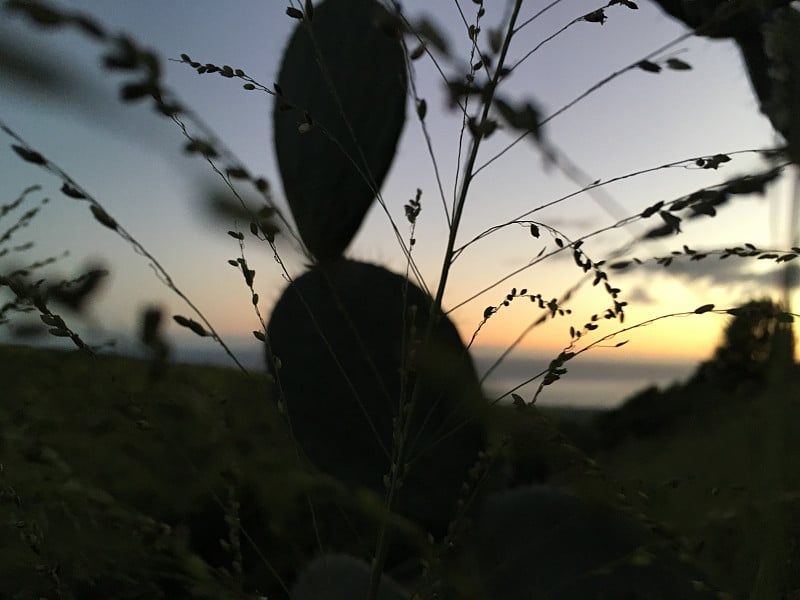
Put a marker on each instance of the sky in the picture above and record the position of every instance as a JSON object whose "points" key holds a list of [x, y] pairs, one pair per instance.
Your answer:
{"points": [[131, 160]]}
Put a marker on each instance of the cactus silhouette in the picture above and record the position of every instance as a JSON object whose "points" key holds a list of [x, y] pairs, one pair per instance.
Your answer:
{"points": [[343, 83], [367, 364], [343, 332]]}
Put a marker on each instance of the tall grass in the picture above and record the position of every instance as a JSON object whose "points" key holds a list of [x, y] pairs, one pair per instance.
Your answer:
{"points": [[478, 95]]}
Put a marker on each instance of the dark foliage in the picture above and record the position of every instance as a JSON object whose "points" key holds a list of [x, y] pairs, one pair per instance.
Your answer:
{"points": [[351, 339]]}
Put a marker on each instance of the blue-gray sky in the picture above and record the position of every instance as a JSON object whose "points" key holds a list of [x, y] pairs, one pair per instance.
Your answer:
{"points": [[130, 159]]}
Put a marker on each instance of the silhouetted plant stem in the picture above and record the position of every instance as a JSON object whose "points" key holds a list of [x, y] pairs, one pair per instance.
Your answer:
{"points": [[464, 109], [586, 93], [686, 163], [429, 145], [531, 19], [288, 228], [597, 232], [398, 462], [469, 174]]}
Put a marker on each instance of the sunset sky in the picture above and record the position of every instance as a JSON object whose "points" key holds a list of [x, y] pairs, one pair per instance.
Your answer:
{"points": [[131, 160]]}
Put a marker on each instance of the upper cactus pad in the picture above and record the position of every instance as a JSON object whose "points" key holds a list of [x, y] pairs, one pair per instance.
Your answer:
{"points": [[338, 118]]}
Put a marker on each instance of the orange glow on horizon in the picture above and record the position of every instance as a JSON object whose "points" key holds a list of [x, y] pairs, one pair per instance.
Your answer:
{"points": [[691, 337], [694, 337]]}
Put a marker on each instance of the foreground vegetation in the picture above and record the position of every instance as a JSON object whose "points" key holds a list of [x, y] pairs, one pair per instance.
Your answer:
{"points": [[110, 478], [131, 479], [115, 484]]}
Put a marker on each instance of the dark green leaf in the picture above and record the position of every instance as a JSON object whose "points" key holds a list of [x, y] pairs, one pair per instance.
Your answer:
{"points": [[249, 275], [417, 52], [123, 61], [676, 64], [651, 210], [422, 109], [191, 324], [30, 156], [88, 26], [39, 13], [703, 309], [703, 208], [103, 217], [597, 16], [671, 221], [237, 173], [294, 12], [262, 185], [433, 34], [495, 40], [524, 117], [136, 91], [72, 192], [52, 320], [648, 66]]}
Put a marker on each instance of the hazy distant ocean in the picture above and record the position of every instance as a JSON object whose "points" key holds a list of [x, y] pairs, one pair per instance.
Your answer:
{"points": [[592, 381]]}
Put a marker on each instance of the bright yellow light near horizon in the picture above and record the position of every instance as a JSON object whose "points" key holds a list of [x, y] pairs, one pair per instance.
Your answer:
{"points": [[691, 337]]}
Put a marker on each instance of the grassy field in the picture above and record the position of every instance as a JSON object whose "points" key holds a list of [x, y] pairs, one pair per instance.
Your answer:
{"points": [[117, 485], [721, 471], [110, 474], [727, 480]]}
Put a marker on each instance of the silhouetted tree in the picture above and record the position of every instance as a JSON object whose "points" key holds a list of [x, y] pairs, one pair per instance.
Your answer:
{"points": [[747, 343]]}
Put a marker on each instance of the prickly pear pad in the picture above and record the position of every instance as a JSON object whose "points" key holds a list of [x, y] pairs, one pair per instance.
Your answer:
{"points": [[341, 332], [338, 118]]}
